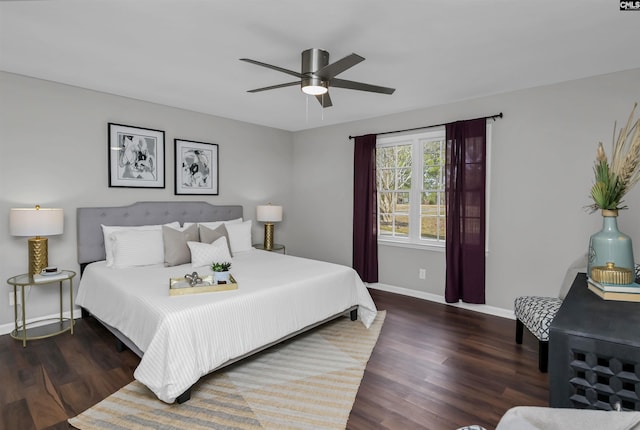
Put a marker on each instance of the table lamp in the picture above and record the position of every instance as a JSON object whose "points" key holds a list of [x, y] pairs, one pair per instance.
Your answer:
{"points": [[268, 214], [36, 222]]}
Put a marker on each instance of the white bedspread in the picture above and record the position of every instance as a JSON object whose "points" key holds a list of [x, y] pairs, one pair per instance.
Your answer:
{"points": [[185, 337]]}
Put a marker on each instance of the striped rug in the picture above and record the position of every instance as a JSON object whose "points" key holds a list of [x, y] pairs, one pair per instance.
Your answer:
{"points": [[309, 382]]}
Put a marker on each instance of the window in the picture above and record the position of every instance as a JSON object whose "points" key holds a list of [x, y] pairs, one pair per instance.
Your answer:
{"points": [[411, 195]]}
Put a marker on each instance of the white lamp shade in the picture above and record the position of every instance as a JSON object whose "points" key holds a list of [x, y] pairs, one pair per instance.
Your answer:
{"points": [[36, 221], [269, 213]]}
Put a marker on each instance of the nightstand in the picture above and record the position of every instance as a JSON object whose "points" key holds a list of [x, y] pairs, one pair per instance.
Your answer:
{"points": [[277, 247], [21, 331]]}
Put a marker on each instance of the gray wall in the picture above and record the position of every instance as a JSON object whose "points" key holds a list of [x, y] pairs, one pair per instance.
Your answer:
{"points": [[543, 152], [54, 153]]}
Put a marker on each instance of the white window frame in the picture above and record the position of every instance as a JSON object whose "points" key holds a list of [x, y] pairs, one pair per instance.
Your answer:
{"points": [[414, 240]]}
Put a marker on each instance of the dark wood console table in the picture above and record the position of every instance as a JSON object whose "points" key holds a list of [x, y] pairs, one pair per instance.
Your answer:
{"points": [[594, 352]]}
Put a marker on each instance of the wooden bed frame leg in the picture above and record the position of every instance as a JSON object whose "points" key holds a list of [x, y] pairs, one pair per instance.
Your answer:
{"points": [[184, 396], [353, 315]]}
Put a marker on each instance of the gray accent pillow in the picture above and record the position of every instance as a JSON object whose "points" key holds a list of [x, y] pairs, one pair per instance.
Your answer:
{"points": [[176, 251], [209, 236]]}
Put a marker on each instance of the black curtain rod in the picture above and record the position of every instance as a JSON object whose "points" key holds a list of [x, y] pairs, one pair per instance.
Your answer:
{"points": [[493, 117]]}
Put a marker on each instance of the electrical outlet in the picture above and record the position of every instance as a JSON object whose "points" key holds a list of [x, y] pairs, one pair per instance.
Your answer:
{"points": [[422, 274]]}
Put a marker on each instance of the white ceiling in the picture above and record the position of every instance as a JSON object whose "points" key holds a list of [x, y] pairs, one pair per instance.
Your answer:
{"points": [[184, 53]]}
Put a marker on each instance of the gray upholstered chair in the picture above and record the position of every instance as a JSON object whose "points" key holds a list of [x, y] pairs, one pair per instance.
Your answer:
{"points": [[536, 417], [536, 313]]}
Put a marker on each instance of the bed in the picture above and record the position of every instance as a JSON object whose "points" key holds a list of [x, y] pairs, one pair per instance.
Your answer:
{"points": [[182, 338]]}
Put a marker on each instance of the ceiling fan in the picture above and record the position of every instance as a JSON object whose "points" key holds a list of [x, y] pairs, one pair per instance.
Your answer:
{"points": [[317, 75]]}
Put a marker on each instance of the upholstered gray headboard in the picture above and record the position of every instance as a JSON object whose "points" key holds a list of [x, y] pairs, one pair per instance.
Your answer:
{"points": [[89, 220]]}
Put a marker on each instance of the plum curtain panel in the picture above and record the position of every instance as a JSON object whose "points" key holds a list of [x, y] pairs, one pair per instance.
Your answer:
{"points": [[465, 188], [365, 209]]}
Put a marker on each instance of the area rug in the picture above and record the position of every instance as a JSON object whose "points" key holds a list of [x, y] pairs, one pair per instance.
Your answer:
{"points": [[308, 382]]}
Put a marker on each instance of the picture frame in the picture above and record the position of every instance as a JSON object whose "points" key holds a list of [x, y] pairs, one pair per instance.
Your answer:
{"points": [[136, 157], [196, 169]]}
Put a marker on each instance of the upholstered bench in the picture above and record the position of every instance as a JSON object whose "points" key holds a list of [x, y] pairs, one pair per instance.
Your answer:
{"points": [[536, 313]]}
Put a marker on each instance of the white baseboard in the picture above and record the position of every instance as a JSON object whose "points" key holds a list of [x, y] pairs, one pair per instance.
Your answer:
{"points": [[485, 309], [39, 321]]}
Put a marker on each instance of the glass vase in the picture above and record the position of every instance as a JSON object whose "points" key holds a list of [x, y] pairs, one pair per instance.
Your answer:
{"points": [[609, 245]]}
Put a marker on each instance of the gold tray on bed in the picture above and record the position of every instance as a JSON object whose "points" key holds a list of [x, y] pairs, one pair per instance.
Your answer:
{"points": [[180, 286]]}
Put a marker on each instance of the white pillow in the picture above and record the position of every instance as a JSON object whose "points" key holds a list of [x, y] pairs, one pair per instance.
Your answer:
{"points": [[204, 254], [215, 224], [239, 236], [108, 230], [133, 248]]}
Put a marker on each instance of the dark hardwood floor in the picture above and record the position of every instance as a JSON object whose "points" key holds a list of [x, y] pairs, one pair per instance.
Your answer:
{"points": [[441, 367], [434, 367]]}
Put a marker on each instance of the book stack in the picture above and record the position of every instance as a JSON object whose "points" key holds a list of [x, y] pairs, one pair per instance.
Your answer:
{"points": [[621, 292], [38, 278]]}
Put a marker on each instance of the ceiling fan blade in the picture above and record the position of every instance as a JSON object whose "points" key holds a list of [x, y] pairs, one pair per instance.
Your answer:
{"points": [[269, 66], [333, 69], [325, 100], [351, 85], [273, 87]]}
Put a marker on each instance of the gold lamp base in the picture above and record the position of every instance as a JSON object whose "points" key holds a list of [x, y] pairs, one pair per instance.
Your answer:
{"points": [[268, 236], [38, 254]]}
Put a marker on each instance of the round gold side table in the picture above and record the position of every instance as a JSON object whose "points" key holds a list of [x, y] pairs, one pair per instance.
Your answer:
{"points": [[59, 325]]}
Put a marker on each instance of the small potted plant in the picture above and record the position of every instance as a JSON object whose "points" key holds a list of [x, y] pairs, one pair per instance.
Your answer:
{"points": [[221, 272]]}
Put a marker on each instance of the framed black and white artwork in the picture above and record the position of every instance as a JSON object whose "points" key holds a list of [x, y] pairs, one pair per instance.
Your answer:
{"points": [[196, 167], [136, 157]]}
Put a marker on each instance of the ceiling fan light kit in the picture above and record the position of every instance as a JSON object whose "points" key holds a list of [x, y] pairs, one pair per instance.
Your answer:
{"points": [[317, 75], [312, 61], [313, 86], [313, 89]]}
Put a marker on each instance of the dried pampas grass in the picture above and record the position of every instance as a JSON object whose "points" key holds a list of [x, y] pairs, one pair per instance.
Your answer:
{"points": [[613, 180]]}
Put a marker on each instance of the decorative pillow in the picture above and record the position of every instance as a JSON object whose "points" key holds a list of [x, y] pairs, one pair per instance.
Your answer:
{"points": [[175, 241], [208, 235], [133, 248], [108, 230], [203, 254], [215, 224], [239, 236]]}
